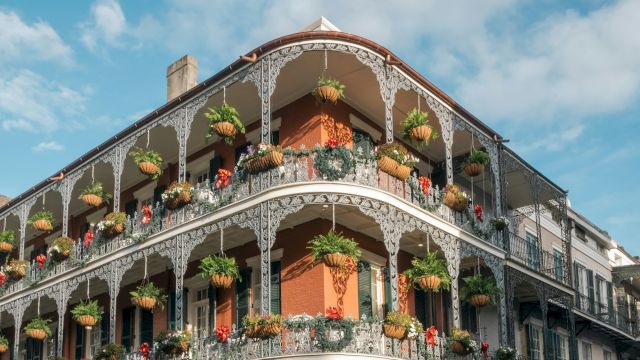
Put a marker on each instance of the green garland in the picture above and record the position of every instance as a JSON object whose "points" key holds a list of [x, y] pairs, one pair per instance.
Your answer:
{"points": [[344, 326], [333, 163]]}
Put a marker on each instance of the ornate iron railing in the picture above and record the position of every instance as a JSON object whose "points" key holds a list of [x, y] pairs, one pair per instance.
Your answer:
{"points": [[531, 254], [606, 314]]}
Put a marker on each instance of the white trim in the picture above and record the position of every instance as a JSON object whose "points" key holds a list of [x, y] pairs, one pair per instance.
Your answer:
{"points": [[199, 165], [95, 217], [373, 259], [360, 124], [253, 136], [254, 261]]}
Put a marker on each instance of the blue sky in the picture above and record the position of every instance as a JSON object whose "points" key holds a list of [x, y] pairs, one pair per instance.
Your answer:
{"points": [[560, 79]]}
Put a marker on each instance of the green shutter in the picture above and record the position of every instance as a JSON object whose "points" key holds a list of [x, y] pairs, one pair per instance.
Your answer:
{"points": [[79, 336], [365, 305], [126, 339], [576, 280], [171, 309], [610, 302], [157, 194], [529, 330], [421, 306], [146, 326], [104, 328], [387, 291], [211, 294], [275, 137], [131, 207], [214, 165], [591, 291], [242, 295], [275, 287]]}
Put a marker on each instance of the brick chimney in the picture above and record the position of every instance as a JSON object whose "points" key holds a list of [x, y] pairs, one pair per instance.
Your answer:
{"points": [[182, 75]]}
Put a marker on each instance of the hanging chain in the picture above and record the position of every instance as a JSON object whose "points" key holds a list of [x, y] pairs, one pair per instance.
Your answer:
{"points": [[326, 63], [333, 217], [38, 305], [145, 267], [148, 137], [44, 195], [419, 102], [428, 243], [4, 226], [224, 95], [93, 179], [222, 241], [88, 297]]}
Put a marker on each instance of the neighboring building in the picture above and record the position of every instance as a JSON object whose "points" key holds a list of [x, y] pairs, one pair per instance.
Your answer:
{"points": [[568, 291]]}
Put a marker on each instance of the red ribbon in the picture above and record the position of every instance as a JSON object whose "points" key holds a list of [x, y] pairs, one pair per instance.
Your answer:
{"points": [[478, 210], [144, 350], [146, 215], [222, 333], [430, 336], [40, 259], [223, 178], [3, 278], [332, 143], [333, 313], [88, 238], [424, 184]]}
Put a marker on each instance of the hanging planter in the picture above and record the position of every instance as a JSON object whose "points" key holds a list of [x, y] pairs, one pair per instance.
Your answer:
{"points": [[225, 122], [333, 249], [42, 220], [17, 269], [87, 313], [475, 163], [262, 326], [148, 296], [395, 160], [328, 90], [112, 225], [177, 195], [221, 270], [455, 199], [38, 329], [461, 343], [429, 273], [61, 248], [149, 162], [500, 223], [4, 344], [417, 129], [174, 342], [109, 352], [395, 325], [7, 241], [478, 290], [262, 157], [94, 195]]}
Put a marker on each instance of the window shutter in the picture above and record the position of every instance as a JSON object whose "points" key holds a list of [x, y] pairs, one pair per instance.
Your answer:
{"points": [[576, 280], [79, 335], [469, 317], [275, 137], [275, 287], [211, 294], [421, 306], [242, 295], [365, 305], [157, 194], [171, 309], [104, 329], [214, 165], [362, 140], [241, 149], [127, 321], [131, 207], [146, 326], [610, 302], [529, 331], [591, 291], [185, 304], [387, 291]]}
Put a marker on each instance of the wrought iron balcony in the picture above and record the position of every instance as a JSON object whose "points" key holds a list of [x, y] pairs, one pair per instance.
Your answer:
{"points": [[531, 255], [606, 314]]}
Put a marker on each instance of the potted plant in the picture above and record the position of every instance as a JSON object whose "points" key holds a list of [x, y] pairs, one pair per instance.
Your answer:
{"points": [[87, 313], [109, 352], [333, 249], [395, 160], [177, 195], [148, 296], [506, 353], [4, 344], [429, 273], [455, 198], [38, 328], [94, 194], [500, 223], [112, 224], [61, 248], [17, 268], [479, 290], [414, 328], [260, 158], [262, 326], [395, 324], [224, 121], [149, 162], [461, 343], [42, 220], [328, 90], [173, 342], [221, 270], [416, 128], [7, 241], [475, 163]]}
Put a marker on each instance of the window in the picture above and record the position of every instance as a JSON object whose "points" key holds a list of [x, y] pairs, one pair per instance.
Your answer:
{"points": [[202, 178], [534, 343], [95, 340], [362, 140], [370, 295], [586, 351], [606, 355], [580, 233], [201, 310], [558, 264], [558, 346], [533, 252]]}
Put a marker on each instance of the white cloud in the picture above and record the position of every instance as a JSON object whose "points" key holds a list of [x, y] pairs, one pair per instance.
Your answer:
{"points": [[48, 146], [107, 24], [32, 103], [551, 141], [24, 42]]}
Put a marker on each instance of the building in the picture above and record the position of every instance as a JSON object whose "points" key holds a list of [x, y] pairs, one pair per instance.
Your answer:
{"points": [[265, 220]]}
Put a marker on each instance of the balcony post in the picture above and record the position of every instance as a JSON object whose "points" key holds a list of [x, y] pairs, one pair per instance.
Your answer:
{"points": [[573, 341], [61, 297], [116, 157], [17, 311], [179, 266], [544, 307], [65, 188], [446, 123], [22, 212]]}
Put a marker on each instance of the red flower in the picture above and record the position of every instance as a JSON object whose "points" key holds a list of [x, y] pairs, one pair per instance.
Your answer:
{"points": [[146, 214], [430, 336], [333, 313], [144, 350], [41, 260], [3, 278], [223, 178], [222, 333], [424, 184], [478, 210], [332, 143], [88, 238], [484, 347]]}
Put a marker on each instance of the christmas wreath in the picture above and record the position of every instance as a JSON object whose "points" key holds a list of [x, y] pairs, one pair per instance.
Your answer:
{"points": [[333, 161], [324, 324]]}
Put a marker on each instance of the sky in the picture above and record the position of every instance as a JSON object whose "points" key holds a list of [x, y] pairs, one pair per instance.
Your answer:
{"points": [[560, 79]]}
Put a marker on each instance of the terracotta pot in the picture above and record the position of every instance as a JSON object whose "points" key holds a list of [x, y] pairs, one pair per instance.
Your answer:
{"points": [[335, 260], [87, 320], [92, 200], [118, 228], [421, 133], [271, 160], [18, 273], [395, 331], [221, 281], [3, 348], [402, 172], [252, 332], [474, 169], [270, 330], [42, 225], [5, 247], [37, 334], [183, 346], [479, 300], [393, 168], [459, 349], [144, 302], [225, 129], [148, 168], [431, 282], [327, 94], [454, 203]]}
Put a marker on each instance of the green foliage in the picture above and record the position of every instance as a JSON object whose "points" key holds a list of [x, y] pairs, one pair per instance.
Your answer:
{"points": [[3, 340], [171, 340], [8, 236], [63, 244], [462, 336], [414, 119], [397, 318], [397, 152], [88, 307], [331, 243], [224, 113], [148, 289], [333, 83], [41, 215], [261, 320], [14, 264], [95, 188], [141, 155], [108, 351], [431, 265], [116, 217], [214, 264], [478, 285], [478, 157], [39, 323]]}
